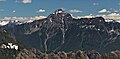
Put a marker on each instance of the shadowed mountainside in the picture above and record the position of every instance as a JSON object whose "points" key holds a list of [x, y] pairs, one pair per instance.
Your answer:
{"points": [[60, 32]]}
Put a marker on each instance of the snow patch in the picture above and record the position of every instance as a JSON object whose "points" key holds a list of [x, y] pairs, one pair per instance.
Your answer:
{"points": [[2, 23], [10, 46]]}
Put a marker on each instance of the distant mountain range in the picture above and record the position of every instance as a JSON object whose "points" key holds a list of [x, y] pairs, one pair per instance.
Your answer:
{"points": [[13, 22], [61, 32]]}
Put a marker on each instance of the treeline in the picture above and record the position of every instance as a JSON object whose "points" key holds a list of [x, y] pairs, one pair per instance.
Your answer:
{"points": [[81, 55], [36, 54], [74, 55]]}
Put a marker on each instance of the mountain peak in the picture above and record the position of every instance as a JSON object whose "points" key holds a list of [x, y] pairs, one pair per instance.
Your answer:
{"points": [[59, 11], [59, 16]]}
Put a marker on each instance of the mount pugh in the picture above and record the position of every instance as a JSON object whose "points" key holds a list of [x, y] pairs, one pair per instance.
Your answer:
{"points": [[61, 32]]}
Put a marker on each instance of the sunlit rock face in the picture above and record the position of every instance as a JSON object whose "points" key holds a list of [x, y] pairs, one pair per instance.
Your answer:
{"points": [[61, 32]]}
